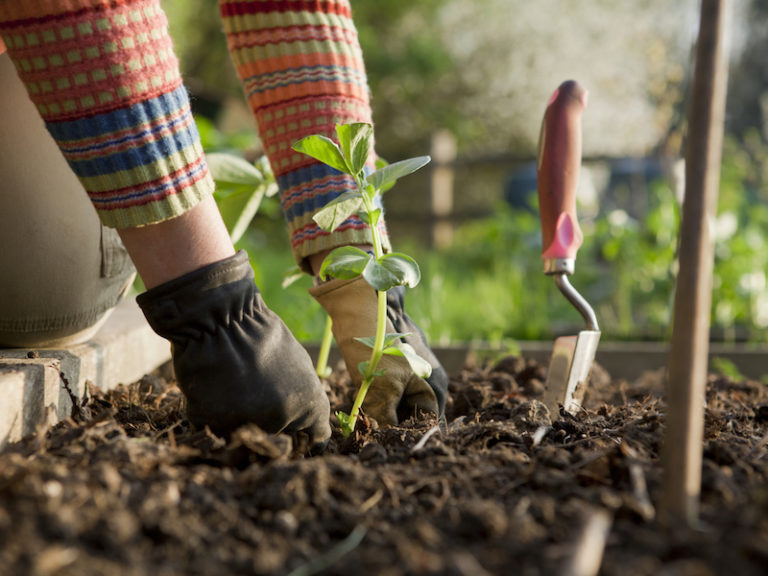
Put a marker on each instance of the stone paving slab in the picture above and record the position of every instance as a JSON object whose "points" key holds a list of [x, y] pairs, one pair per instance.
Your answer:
{"points": [[32, 389]]}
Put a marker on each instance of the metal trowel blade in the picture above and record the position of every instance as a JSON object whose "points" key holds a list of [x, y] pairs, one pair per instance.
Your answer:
{"points": [[569, 368]]}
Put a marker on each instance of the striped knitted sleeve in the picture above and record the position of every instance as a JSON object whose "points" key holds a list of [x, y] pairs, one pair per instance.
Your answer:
{"points": [[105, 79], [302, 71]]}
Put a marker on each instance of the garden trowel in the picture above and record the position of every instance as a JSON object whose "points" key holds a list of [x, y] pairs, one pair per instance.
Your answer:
{"points": [[557, 178]]}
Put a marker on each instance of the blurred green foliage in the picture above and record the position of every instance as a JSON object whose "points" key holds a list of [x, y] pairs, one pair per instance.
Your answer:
{"points": [[410, 72], [489, 286], [201, 46]]}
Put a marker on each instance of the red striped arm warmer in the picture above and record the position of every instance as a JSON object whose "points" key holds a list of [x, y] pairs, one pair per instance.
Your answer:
{"points": [[105, 79], [302, 71]]}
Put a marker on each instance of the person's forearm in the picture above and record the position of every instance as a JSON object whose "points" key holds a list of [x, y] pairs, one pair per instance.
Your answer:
{"points": [[105, 79], [302, 72], [172, 248]]}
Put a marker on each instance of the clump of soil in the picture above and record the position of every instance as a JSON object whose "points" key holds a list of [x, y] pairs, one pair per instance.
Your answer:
{"points": [[126, 487]]}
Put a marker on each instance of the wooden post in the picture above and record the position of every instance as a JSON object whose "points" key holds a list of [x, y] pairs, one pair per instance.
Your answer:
{"points": [[689, 348], [443, 152]]}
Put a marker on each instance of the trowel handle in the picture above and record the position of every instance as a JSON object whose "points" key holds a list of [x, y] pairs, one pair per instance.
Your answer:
{"points": [[558, 172]]}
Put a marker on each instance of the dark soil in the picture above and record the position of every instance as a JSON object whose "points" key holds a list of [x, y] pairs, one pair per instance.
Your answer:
{"points": [[127, 488]]}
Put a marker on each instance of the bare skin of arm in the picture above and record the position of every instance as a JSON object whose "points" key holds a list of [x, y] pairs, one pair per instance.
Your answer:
{"points": [[169, 249]]}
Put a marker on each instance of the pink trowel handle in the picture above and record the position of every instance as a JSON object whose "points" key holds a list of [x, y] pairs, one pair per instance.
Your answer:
{"points": [[558, 172]]}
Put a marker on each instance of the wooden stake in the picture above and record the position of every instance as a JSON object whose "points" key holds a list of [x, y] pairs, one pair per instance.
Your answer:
{"points": [[443, 152], [693, 296], [589, 549]]}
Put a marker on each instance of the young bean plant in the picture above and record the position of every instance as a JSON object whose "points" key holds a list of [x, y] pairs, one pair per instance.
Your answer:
{"points": [[240, 189], [381, 271]]}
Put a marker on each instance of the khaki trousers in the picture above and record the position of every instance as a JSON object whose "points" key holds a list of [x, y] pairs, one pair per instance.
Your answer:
{"points": [[61, 271]]}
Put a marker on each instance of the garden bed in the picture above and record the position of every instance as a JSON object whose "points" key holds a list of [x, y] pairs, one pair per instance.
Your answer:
{"points": [[127, 488]]}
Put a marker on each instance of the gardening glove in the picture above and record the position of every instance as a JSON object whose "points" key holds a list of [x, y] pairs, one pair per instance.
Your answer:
{"points": [[438, 379], [399, 393], [235, 360]]}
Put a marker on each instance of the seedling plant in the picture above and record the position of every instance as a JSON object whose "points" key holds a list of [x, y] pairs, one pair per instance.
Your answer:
{"points": [[381, 271], [240, 189]]}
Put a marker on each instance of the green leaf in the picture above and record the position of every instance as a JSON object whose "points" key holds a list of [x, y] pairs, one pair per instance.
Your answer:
{"points": [[269, 177], [330, 216], [228, 169], [381, 163], [403, 267], [394, 269], [291, 276], [419, 366], [355, 140], [363, 368], [379, 277], [238, 210], [369, 341], [263, 165], [346, 262], [391, 337], [271, 189], [344, 197], [345, 423], [323, 149], [370, 194], [372, 218], [387, 175]]}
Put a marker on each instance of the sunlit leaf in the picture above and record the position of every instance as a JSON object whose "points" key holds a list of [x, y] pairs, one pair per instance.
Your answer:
{"points": [[370, 194], [345, 263], [355, 140], [389, 338], [419, 366], [345, 423], [379, 277], [403, 267], [390, 173], [372, 218], [238, 210], [323, 149], [363, 368], [330, 216], [269, 177], [381, 163], [228, 169], [292, 275]]}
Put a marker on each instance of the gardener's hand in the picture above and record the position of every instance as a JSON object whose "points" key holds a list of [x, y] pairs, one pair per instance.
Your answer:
{"points": [[235, 360], [399, 393]]}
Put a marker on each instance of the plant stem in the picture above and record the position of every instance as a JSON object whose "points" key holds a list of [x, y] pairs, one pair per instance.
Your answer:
{"points": [[325, 349], [381, 332], [376, 354], [353, 414], [378, 251], [381, 322]]}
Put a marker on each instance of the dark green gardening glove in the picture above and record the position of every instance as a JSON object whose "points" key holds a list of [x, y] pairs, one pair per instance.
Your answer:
{"points": [[235, 360], [399, 393]]}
